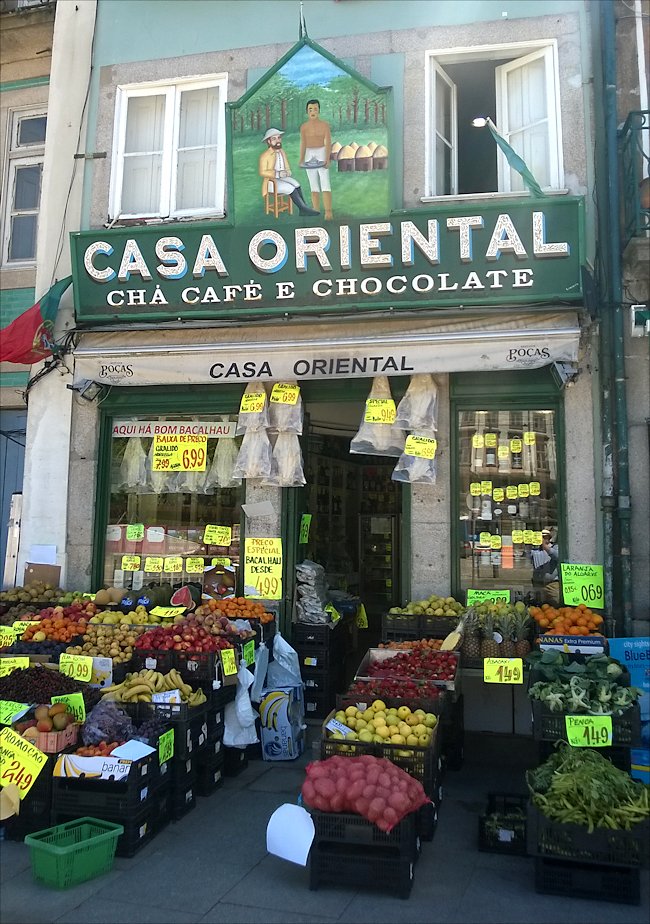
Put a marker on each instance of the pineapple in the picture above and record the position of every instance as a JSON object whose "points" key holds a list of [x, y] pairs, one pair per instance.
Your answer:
{"points": [[506, 626], [471, 647], [522, 631], [489, 648]]}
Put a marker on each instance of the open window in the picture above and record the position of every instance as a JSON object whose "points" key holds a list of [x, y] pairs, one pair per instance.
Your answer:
{"points": [[23, 187], [517, 87], [169, 154]]}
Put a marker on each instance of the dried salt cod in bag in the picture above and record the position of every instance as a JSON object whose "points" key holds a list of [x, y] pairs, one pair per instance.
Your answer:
{"points": [[417, 464], [157, 482], [285, 407], [286, 462], [220, 473], [133, 470], [378, 435], [418, 409], [254, 457], [254, 409]]}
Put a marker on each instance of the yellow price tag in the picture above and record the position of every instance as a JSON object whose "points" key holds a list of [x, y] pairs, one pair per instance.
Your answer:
{"points": [[523, 490], [285, 393], [217, 535], [194, 565], [130, 563], [380, 410], [10, 711], [75, 702], [498, 494], [173, 565], [263, 568], [135, 532], [422, 447], [537, 537], [511, 492], [253, 402], [495, 542], [475, 489], [21, 624], [179, 453], [486, 488], [228, 661], [503, 453], [529, 535], [535, 488], [583, 584], [153, 564], [529, 438], [517, 536], [487, 596], [478, 441], [20, 761], [589, 731], [221, 561], [485, 538], [7, 636], [168, 612], [490, 440], [166, 746], [79, 667], [362, 617], [503, 670], [7, 665]]}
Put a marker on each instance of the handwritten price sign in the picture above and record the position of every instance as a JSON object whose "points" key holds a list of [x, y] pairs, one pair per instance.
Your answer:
{"points": [[248, 652], [194, 565], [10, 711], [7, 665], [305, 524], [7, 636], [130, 563], [217, 535], [135, 532], [228, 661], [589, 731], [21, 624], [285, 393], [75, 703], [423, 447], [263, 568], [20, 761], [487, 596], [583, 584], [79, 667], [380, 410], [166, 746], [153, 564], [252, 402], [181, 453], [173, 565], [503, 670]]}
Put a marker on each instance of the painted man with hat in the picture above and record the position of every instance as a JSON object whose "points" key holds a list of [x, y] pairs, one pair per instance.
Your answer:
{"points": [[275, 171]]}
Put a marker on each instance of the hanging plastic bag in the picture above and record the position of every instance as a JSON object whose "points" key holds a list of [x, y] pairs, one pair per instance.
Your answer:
{"points": [[239, 717], [285, 408], [156, 482], [254, 457], [286, 462], [220, 473], [133, 470], [417, 464], [378, 435], [418, 409], [261, 665], [284, 669], [254, 409]]}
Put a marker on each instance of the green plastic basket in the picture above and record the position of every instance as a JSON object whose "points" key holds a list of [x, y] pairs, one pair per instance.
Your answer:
{"points": [[73, 852]]}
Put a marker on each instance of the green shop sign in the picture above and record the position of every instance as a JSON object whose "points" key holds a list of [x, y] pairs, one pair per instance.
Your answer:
{"points": [[521, 252]]}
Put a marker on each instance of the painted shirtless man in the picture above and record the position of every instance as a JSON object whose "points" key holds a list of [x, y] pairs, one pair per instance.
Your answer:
{"points": [[316, 147]]}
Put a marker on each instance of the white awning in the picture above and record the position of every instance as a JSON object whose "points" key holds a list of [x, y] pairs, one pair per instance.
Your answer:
{"points": [[334, 350]]}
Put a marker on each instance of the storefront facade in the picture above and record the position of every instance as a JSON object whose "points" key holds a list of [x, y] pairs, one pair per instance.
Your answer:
{"points": [[431, 271]]}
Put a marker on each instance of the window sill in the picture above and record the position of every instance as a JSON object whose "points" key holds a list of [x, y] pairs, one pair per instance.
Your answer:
{"points": [[470, 197], [124, 222]]}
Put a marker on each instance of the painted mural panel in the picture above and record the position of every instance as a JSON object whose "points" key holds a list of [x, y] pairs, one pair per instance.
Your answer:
{"points": [[311, 139]]}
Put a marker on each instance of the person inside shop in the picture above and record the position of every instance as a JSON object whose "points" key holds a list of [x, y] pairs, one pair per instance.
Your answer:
{"points": [[546, 567]]}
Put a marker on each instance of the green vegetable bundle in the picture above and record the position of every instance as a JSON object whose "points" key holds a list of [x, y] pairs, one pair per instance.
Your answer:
{"points": [[578, 785], [581, 694], [557, 665]]}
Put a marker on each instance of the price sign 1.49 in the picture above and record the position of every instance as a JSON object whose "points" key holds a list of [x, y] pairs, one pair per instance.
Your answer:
{"points": [[589, 731], [503, 670]]}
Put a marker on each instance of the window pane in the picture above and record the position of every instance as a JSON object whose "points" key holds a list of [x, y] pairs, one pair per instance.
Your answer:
{"points": [[527, 95], [508, 494], [199, 117], [141, 184], [22, 244], [197, 179], [443, 108], [533, 145], [443, 168], [32, 131], [145, 124], [27, 190]]}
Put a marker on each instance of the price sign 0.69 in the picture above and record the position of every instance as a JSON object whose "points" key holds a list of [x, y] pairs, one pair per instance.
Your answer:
{"points": [[583, 584], [79, 667], [589, 731]]}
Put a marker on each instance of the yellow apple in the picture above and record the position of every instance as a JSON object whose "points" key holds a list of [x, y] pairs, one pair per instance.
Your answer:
{"points": [[403, 712], [378, 706]]}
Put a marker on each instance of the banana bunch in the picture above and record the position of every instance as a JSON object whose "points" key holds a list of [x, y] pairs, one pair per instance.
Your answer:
{"points": [[270, 707], [140, 687]]}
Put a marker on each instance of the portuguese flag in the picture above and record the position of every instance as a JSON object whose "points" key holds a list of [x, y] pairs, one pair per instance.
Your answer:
{"points": [[29, 337]]}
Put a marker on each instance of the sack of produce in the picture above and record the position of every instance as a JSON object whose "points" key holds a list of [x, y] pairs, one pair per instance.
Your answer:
{"points": [[254, 457], [253, 410], [417, 464], [378, 435], [418, 409], [285, 408]]}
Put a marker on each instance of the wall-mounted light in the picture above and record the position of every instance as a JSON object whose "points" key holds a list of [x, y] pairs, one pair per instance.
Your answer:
{"points": [[88, 390], [564, 374]]}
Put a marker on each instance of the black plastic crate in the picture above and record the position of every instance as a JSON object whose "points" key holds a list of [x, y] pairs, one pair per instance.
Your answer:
{"points": [[215, 721], [210, 776], [621, 757], [399, 635], [306, 636], [570, 841], [502, 828], [400, 625], [426, 821], [212, 750], [343, 828], [437, 706], [551, 726], [437, 626], [198, 668], [97, 798], [151, 659], [235, 761], [323, 679], [355, 865], [221, 697], [318, 705], [171, 712], [452, 742], [183, 800], [603, 883], [183, 772]]}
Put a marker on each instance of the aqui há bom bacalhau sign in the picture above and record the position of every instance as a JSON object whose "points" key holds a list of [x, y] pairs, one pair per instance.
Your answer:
{"points": [[516, 252]]}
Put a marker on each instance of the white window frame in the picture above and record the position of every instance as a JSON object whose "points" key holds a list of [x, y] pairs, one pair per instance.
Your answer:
{"points": [[435, 62], [171, 90], [19, 155]]}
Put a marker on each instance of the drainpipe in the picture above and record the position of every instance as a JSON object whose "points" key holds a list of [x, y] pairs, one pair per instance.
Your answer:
{"points": [[621, 457]]}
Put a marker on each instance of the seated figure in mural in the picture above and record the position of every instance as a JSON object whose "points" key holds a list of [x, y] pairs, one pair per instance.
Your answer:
{"points": [[315, 151], [275, 170]]}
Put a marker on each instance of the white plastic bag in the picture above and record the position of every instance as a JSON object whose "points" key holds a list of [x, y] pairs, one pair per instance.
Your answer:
{"points": [[286, 462], [413, 466], [418, 409], [256, 419], [239, 717], [254, 457], [157, 482], [379, 439], [133, 470], [283, 416], [284, 669], [261, 664], [223, 463]]}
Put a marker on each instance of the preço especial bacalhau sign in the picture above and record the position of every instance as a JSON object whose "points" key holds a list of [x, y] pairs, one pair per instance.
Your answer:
{"points": [[515, 252]]}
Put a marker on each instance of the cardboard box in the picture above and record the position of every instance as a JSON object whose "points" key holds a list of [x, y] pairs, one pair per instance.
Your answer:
{"points": [[48, 574], [282, 720]]}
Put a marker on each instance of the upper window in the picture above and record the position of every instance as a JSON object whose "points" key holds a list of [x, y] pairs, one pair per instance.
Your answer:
{"points": [[24, 176], [169, 156], [517, 87]]}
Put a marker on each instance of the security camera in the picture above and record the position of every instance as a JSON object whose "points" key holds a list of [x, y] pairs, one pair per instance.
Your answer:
{"points": [[564, 374]]}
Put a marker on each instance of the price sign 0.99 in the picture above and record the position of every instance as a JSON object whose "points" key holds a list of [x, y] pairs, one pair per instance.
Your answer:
{"points": [[166, 746], [487, 596], [20, 761], [503, 670], [380, 410], [583, 584], [79, 667], [589, 731]]}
